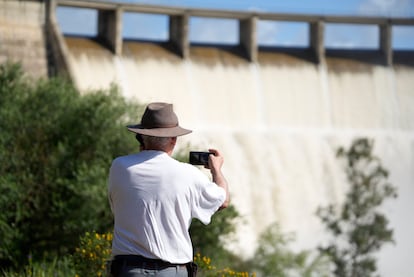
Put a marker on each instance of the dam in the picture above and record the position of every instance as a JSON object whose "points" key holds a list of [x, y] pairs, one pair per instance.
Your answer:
{"points": [[278, 115]]}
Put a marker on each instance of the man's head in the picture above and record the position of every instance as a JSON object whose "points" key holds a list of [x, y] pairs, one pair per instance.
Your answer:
{"points": [[159, 128], [159, 120]]}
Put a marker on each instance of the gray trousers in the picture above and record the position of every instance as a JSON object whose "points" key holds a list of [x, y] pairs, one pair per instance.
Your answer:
{"points": [[176, 271]]}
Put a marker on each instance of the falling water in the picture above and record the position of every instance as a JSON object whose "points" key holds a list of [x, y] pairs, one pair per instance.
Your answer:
{"points": [[278, 123]]}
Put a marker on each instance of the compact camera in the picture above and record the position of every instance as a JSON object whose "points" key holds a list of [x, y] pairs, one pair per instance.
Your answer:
{"points": [[199, 158]]}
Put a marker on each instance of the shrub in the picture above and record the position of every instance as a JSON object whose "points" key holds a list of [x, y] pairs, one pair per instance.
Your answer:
{"points": [[56, 267], [273, 257], [207, 269], [56, 147], [208, 239], [93, 253]]}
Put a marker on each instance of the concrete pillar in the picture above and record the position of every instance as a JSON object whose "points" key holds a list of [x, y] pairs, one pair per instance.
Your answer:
{"points": [[179, 34], [110, 28], [50, 6], [317, 40], [58, 52], [386, 43], [248, 38]]}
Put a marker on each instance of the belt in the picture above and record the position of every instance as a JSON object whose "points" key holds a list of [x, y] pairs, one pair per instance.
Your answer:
{"points": [[143, 262]]}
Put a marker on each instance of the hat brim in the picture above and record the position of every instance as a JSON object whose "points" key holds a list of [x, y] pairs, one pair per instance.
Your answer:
{"points": [[159, 132]]}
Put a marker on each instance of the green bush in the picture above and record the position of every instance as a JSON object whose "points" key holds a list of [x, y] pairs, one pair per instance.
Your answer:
{"points": [[56, 147], [56, 267], [210, 239], [207, 269], [93, 253], [273, 257]]}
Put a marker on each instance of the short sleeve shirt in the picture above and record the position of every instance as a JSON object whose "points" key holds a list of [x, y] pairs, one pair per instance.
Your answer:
{"points": [[154, 198]]}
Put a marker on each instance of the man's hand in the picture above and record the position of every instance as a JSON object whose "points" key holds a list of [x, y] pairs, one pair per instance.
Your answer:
{"points": [[215, 160]]}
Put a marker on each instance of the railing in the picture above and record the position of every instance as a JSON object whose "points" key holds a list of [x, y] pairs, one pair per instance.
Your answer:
{"points": [[110, 25]]}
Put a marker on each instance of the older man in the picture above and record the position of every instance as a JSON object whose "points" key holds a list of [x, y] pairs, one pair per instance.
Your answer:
{"points": [[154, 198]]}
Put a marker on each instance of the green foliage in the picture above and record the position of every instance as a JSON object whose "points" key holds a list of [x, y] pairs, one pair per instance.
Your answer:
{"points": [[62, 268], [359, 229], [209, 239], [93, 253], [56, 147], [273, 257], [207, 269]]}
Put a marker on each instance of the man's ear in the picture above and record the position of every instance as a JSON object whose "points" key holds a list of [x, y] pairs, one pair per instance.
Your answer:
{"points": [[171, 145]]}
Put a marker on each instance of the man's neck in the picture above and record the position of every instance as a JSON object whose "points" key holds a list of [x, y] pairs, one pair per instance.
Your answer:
{"points": [[168, 151]]}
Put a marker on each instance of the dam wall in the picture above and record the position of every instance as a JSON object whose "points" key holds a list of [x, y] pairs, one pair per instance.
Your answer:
{"points": [[22, 36], [278, 115]]}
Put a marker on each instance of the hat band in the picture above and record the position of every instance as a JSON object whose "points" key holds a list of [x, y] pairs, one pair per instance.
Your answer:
{"points": [[159, 126]]}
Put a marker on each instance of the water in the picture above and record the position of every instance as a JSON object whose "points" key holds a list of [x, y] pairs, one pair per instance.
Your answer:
{"points": [[278, 123]]}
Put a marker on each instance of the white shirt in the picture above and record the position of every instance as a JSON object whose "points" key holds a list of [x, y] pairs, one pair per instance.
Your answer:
{"points": [[154, 198]]}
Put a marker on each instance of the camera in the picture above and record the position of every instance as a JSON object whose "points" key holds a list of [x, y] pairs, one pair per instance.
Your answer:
{"points": [[199, 158]]}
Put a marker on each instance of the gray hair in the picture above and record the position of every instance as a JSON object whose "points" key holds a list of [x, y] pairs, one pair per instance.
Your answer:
{"points": [[155, 142]]}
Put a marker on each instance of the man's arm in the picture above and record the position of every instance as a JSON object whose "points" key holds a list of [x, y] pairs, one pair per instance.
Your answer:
{"points": [[215, 163]]}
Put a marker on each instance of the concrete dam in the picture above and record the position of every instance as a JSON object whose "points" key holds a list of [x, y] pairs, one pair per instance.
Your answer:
{"points": [[278, 115]]}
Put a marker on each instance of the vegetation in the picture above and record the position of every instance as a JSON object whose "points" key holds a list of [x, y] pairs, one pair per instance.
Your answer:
{"points": [[55, 150], [210, 239], [207, 269], [61, 267], [358, 228], [273, 257], [92, 255]]}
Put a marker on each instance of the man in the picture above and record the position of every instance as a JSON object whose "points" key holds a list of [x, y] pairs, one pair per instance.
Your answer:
{"points": [[154, 197]]}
